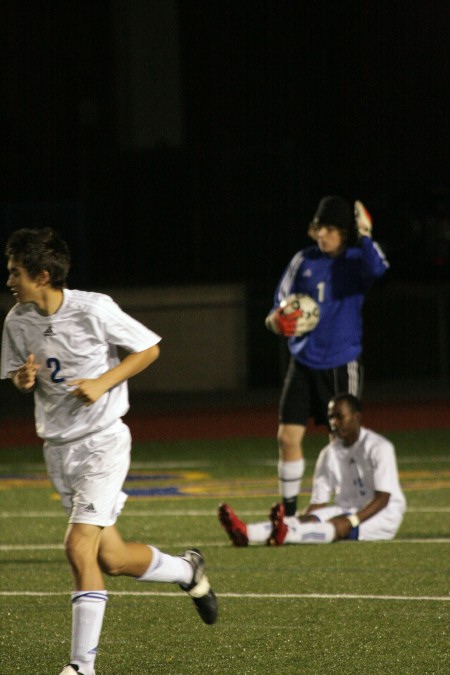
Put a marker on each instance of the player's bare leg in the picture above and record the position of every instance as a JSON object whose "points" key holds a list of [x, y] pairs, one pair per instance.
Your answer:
{"points": [[148, 563], [117, 557], [92, 550], [81, 544], [291, 464]]}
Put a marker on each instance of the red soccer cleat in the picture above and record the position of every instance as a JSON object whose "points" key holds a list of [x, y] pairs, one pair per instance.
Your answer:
{"points": [[235, 528], [279, 527]]}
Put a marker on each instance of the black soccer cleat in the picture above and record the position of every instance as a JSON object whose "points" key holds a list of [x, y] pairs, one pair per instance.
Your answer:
{"points": [[200, 589]]}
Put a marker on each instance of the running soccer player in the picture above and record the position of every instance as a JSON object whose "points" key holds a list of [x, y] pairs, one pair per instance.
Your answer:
{"points": [[358, 469], [61, 345], [336, 272]]}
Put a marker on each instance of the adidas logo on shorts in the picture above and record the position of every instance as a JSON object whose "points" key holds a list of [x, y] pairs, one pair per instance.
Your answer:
{"points": [[90, 508]]}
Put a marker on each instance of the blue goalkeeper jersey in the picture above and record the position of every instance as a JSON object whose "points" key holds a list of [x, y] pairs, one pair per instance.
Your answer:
{"points": [[339, 286]]}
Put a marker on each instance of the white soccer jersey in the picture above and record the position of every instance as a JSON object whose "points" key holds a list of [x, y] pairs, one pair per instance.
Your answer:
{"points": [[78, 341], [352, 475]]}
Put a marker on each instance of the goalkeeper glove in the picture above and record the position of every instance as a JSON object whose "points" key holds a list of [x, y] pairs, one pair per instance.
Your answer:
{"points": [[293, 324], [363, 220]]}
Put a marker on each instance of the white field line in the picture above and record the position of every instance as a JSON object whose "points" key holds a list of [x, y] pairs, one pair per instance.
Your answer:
{"points": [[216, 544], [189, 513], [195, 464], [415, 459], [253, 596]]}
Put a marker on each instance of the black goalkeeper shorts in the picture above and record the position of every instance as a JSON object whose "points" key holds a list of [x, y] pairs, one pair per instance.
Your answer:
{"points": [[307, 392]]}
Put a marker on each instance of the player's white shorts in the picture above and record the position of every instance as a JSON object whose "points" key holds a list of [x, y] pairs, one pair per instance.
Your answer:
{"points": [[89, 474], [383, 525]]}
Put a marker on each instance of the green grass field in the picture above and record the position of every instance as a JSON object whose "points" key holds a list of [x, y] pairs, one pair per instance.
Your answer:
{"points": [[347, 608]]}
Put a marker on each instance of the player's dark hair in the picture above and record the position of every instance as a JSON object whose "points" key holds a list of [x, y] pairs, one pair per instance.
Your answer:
{"points": [[38, 250], [336, 211], [353, 403]]}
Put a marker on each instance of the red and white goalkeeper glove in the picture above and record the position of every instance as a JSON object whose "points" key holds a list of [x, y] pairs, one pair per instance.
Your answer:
{"points": [[295, 323], [363, 220]]}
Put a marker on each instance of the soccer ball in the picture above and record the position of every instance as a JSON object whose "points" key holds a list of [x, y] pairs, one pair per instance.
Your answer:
{"points": [[306, 304]]}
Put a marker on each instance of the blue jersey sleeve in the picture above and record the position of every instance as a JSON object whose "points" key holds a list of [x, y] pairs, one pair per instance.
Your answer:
{"points": [[373, 263]]}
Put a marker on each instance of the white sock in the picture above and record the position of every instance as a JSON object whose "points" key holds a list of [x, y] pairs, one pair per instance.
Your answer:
{"points": [[289, 477], [258, 533], [167, 568], [88, 609], [309, 533]]}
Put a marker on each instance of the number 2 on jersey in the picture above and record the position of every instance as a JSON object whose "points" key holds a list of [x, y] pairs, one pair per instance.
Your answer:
{"points": [[55, 368]]}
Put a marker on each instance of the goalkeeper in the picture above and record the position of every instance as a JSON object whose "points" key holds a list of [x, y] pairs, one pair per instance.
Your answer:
{"points": [[357, 471], [336, 272]]}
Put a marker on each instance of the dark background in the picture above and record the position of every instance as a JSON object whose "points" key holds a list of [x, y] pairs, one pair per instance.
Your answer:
{"points": [[275, 104]]}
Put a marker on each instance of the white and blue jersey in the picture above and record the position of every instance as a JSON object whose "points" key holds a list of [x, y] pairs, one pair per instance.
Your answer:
{"points": [[339, 286], [79, 341], [352, 475]]}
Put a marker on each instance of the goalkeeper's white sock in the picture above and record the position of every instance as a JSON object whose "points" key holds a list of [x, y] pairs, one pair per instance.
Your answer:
{"points": [[289, 481], [88, 609], [258, 533], [308, 533], [167, 568]]}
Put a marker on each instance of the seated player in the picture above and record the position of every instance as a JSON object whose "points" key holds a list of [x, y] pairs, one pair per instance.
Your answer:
{"points": [[358, 469]]}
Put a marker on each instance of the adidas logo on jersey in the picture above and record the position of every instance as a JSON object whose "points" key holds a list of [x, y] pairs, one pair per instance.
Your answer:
{"points": [[48, 331], [90, 508], [307, 273]]}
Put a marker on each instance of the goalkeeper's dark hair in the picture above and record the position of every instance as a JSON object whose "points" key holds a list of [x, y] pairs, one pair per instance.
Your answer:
{"points": [[336, 211], [353, 403], [38, 250]]}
